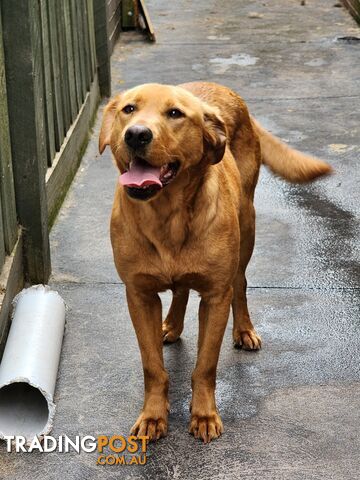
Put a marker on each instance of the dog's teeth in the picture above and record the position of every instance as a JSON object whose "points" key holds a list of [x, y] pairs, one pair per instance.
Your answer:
{"points": [[164, 169]]}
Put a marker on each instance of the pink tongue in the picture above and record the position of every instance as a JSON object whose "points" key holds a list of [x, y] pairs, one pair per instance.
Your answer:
{"points": [[140, 174]]}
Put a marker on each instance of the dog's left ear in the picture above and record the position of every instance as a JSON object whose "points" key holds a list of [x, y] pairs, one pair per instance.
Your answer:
{"points": [[214, 135], [107, 124]]}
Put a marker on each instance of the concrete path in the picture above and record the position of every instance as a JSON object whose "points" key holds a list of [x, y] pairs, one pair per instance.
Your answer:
{"points": [[291, 411]]}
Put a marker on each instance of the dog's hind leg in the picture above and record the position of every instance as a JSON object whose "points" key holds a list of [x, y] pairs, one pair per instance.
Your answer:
{"points": [[174, 322], [244, 334]]}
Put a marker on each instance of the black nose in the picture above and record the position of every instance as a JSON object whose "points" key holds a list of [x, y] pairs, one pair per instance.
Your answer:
{"points": [[138, 136]]}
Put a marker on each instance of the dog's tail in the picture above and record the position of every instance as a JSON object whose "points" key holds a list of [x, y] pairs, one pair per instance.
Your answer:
{"points": [[286, 162]]}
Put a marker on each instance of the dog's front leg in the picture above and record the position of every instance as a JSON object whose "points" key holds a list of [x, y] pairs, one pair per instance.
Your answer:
{"points": [[145, 312], [213, 315]]}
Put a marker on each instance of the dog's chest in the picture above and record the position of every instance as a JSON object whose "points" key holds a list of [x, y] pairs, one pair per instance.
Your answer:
{"points": [[172, 270], [175, 247], [194, 262], [169, 259], [167, 237]]}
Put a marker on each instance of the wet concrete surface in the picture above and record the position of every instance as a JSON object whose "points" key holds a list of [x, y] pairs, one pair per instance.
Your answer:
{"points": [[290, 411]]}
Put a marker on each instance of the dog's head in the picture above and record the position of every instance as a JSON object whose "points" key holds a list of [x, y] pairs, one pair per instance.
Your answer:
{"points": [[156, 132]]}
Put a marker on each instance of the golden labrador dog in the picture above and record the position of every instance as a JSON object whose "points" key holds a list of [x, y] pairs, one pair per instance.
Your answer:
{"points": [[183, 218]]}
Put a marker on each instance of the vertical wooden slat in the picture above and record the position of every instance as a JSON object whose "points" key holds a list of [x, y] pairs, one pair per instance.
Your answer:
{"points": [[76, 51], [114, 21], [102, 47], [70, 60], [7, 193], [91, 26], [79, 12], [63, 66], [48, 82], [2, 239], [56, 78], [24, 78], [87, 50]]}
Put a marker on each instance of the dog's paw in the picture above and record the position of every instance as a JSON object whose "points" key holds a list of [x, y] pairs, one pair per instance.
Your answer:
{"points": [[207, 427], [153, 428], [247, 339], [170, 332]]}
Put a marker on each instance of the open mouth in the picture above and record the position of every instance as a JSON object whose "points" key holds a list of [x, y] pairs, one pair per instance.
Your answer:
{"points": [[142, 180]]}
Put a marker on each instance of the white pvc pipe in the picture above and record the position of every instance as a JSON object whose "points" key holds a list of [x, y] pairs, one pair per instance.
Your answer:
{"points": [[30, 363]]}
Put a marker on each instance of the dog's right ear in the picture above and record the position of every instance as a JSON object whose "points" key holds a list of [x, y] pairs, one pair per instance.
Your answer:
{"points": [[214, 134], [107, 123]]}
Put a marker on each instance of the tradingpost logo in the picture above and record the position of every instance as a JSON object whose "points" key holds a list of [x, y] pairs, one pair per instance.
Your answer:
{"points": [[111, 450]]}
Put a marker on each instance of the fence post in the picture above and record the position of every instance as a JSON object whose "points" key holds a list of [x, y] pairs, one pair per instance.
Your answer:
{"points": [[6, 182], [25, 87], [102, 47]]}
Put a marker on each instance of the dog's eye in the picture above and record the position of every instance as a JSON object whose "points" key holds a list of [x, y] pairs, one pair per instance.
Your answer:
{"points": [[175, 113], [128, 109]]}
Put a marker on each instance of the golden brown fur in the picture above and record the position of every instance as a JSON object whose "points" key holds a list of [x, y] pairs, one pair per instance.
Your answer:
{"points": [[195, 233]]}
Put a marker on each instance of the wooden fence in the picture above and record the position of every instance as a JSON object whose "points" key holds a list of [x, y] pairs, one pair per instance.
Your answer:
{"points": [[54, 65]]}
